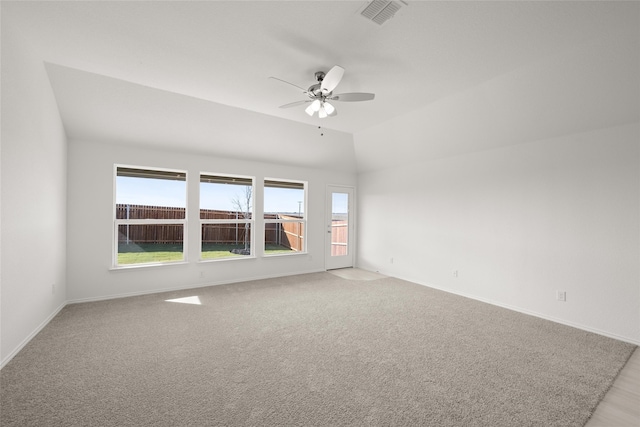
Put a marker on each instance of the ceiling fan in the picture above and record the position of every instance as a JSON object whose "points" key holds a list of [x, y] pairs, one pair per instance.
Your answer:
{"points": [[322, 92]]}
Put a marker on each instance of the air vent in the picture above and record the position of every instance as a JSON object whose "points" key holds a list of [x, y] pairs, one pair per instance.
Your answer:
{"points": [[380, 11]]}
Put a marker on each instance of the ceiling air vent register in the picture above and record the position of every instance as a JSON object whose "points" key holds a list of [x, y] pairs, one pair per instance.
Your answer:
{"points": [[380, 11]]}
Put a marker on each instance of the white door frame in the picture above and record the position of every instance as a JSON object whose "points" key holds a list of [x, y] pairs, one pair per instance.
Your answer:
{"points": [[348, 260]]}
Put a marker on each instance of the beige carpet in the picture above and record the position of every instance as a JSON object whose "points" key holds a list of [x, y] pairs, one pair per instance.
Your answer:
{"points": [[306, 350]]}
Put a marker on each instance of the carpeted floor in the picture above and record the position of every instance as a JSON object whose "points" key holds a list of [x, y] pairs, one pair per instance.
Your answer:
{"points": [[306, 350]]}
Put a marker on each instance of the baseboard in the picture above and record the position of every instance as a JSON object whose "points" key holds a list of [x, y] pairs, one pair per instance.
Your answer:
{"points": [[130, 294], [193, 286], [31, 335], [528, 312], [247, 279]]}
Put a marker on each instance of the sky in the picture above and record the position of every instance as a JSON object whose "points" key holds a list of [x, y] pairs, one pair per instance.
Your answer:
{"points": [[340, 203], [150, 192], [162, 192]]}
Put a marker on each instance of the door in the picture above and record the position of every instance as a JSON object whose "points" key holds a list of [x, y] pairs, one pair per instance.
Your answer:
{"points": [[340, 227]]}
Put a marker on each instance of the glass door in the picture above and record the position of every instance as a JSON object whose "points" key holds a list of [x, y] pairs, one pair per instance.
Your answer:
{"points": [[340, 230]]}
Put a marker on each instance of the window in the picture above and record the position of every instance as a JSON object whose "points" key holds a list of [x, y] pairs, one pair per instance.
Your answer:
{"points": [[226, 216], [284, 217], [339, 224], [149, 216]]}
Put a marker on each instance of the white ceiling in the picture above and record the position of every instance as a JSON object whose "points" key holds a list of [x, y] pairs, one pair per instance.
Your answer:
{"points": [[156, 72]]}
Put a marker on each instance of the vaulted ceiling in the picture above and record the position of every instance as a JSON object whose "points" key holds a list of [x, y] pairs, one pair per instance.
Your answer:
{"points": [[195, 75]]}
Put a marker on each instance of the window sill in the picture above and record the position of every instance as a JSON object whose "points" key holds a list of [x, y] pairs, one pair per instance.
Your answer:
{"points": [[285, 255], [149, 265], [205, 261]]}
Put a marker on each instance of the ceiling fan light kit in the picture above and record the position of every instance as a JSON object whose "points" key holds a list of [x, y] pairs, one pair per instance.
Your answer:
{"points": [[322, 92], [315, 106], [330, 109]]}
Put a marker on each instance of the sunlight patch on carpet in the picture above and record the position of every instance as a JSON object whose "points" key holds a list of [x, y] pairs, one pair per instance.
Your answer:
{"points": [[186, 300]]}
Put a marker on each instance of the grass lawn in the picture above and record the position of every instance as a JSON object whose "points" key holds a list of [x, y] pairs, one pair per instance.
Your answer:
{"points": [[276, 249], [151, 253], [217, 251], [148, 252]]}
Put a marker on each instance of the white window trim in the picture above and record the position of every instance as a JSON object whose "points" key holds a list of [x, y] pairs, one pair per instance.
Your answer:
{"points": [[303, 220], [118, 222], [251, 221]]}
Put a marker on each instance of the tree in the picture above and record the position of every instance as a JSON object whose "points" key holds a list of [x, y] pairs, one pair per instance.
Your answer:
{"points": [[242, 205]]}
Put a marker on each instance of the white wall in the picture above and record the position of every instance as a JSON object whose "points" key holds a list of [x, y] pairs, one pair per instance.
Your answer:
{"points": [[90, 207], [33, 225], [518, 223]]}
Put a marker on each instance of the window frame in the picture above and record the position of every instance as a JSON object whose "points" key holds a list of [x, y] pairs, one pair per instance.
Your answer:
{"points": [[303, 219], [251, 221], [149, 221]]}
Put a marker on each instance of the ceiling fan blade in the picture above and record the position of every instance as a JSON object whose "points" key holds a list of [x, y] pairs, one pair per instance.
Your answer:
{"points": [[293, 104], [331, 79], [289, 83], [353, 97]]}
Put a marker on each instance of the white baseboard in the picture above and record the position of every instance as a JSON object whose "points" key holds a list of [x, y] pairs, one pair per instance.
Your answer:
{"points": [[529, 312], [247, 279], [130, 294], [31, 335], [192, 286]]}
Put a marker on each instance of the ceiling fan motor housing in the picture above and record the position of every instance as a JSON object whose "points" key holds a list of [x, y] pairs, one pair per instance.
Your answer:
{"points": [[315, 90]]}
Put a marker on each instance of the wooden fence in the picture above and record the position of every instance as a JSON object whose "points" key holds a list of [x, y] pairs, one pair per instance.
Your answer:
{"points": [[339, 237], [287, 234], [153, 234], [124, 211], [290, 235]]}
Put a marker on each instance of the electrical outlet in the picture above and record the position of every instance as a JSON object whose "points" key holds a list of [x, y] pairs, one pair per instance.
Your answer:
{"points": [[455, 273], [561, 296], [202, 274], [53, 289], [391, 260]]}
